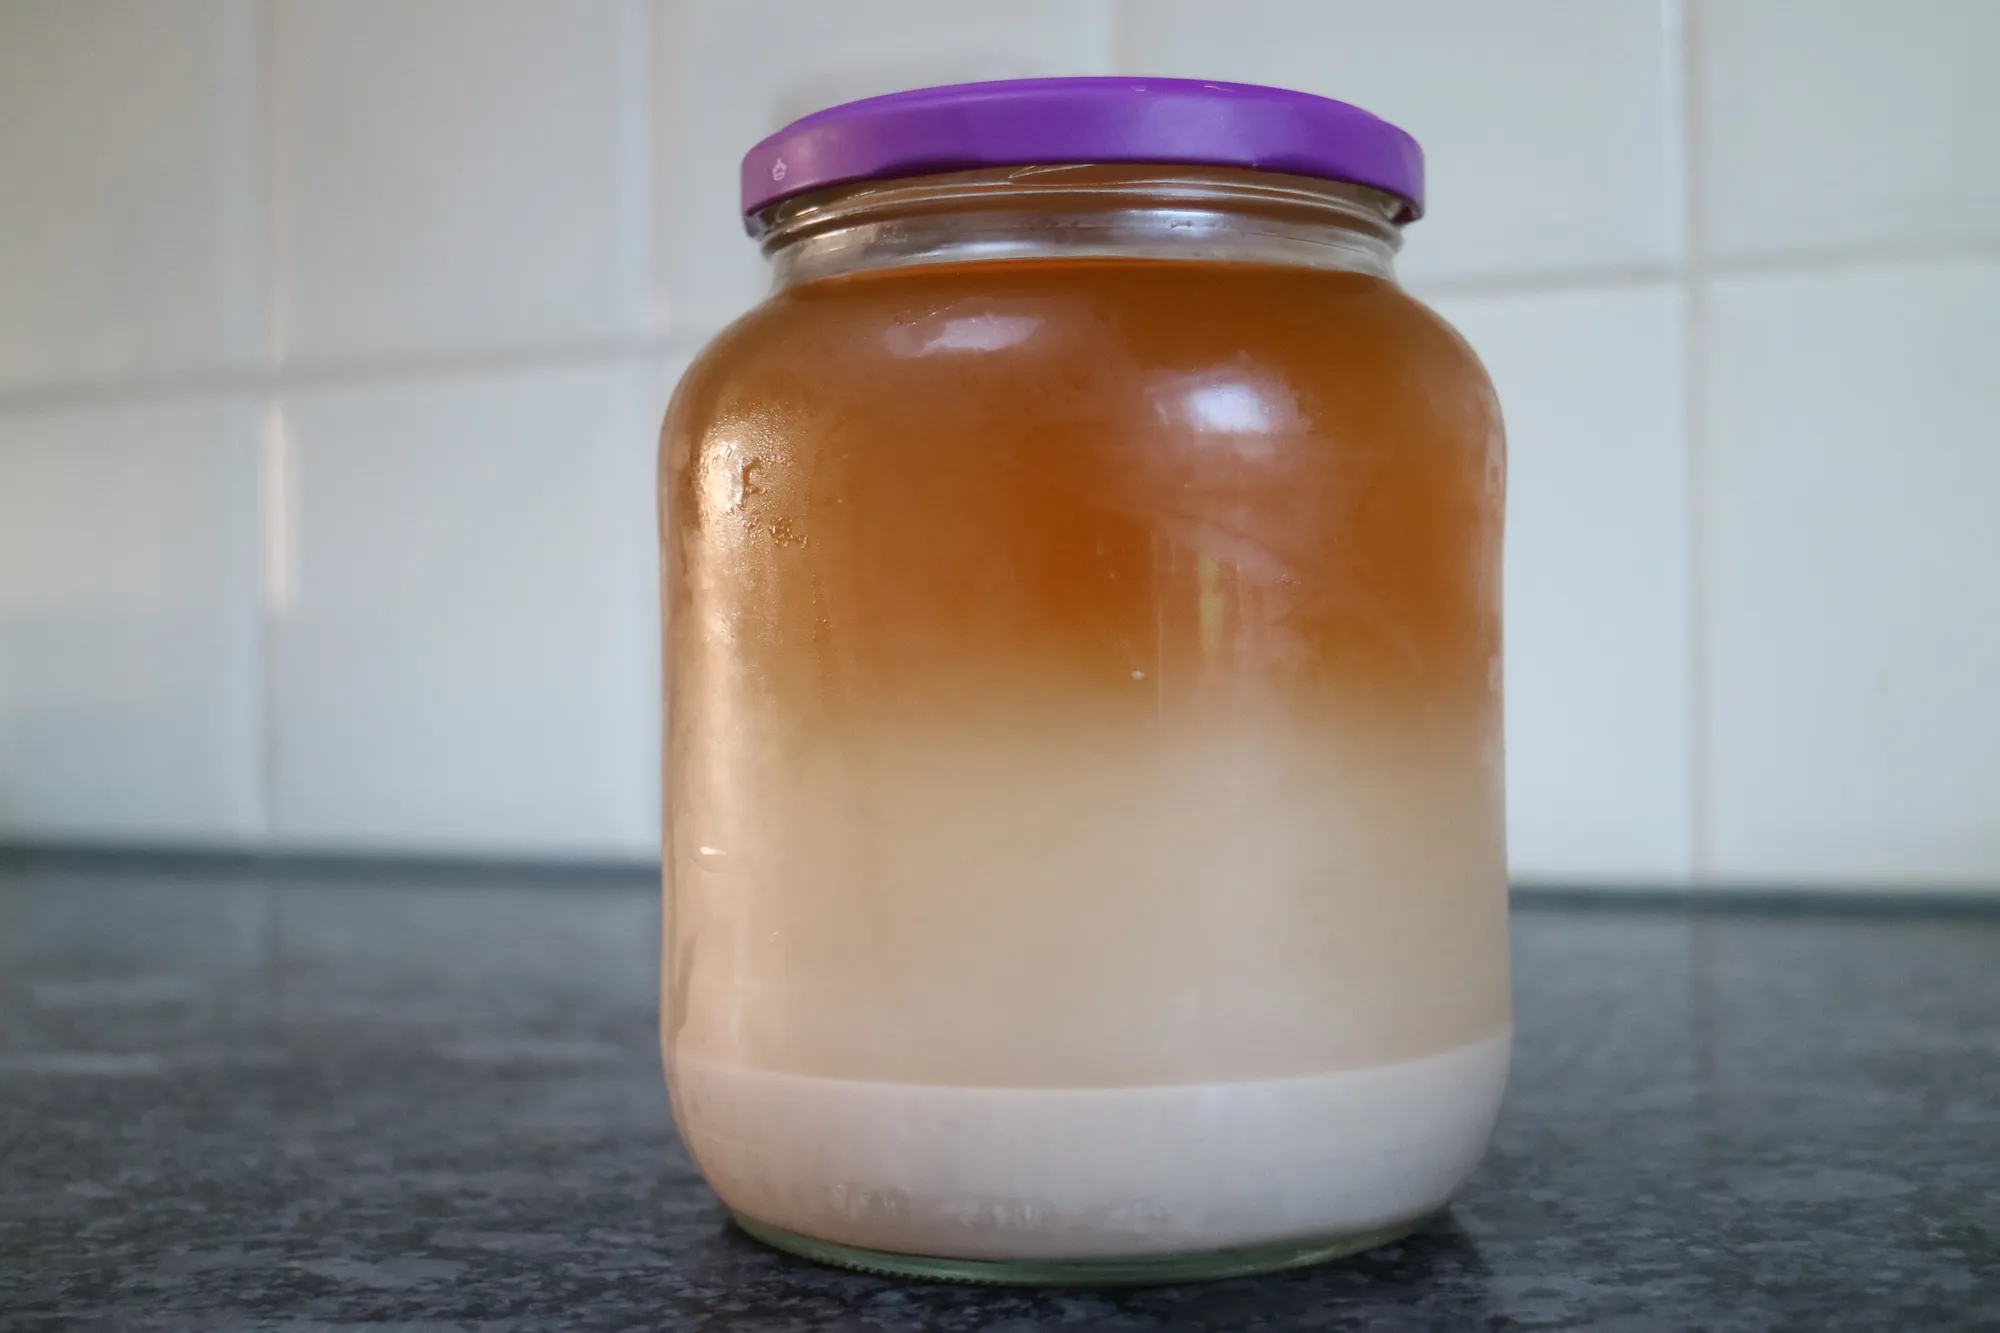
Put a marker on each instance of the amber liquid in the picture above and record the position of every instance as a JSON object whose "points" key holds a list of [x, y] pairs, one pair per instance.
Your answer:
{"points": [[1084, 673]]}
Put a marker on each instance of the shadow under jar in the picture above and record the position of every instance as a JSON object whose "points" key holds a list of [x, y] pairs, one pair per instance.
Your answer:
{"points": [[1082, 573]]}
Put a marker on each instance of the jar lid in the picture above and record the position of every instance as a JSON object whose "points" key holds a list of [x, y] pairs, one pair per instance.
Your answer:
{"points": [[1028, 122]]}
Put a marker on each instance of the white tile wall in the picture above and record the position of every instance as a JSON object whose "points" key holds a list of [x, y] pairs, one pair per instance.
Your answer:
{"points": [[128, 625], [1548, 125], [1838, 125], [127, 189], [1729, 261], [1597, 661], [452, 174], [1854, 574], [464, 656]]}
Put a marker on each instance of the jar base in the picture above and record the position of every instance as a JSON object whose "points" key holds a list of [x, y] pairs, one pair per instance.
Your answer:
{"points": [[1137, 1271]]}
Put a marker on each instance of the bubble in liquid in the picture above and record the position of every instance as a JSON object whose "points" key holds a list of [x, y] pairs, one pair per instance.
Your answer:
{"points": [[744, 486]]}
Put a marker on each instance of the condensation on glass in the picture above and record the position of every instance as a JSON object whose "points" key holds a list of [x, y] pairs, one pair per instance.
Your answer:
{"points": [[1085, 850]]}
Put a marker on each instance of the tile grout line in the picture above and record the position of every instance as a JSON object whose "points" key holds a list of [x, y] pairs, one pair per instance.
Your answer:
{"points": [[271, 479], [353, 374], [271, 195], [1841, 260], [1563, 282], [1558, 283], [1683, 53], [1694, 436]]}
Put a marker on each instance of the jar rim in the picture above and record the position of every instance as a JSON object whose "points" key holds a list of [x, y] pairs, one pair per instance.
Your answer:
{"points": [[1083, 210]]}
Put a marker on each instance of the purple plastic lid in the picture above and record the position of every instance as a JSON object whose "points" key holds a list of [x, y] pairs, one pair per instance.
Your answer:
{"points": [[1024, 122]]}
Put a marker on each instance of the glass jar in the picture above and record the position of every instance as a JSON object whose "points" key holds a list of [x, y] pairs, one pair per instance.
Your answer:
{"points": [[1085, 853]]}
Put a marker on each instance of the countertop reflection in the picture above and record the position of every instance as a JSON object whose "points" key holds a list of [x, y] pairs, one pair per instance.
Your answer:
{"points": [[284, 1094]]}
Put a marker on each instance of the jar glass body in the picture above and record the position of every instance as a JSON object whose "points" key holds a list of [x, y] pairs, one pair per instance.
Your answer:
{"points": [[1085, 838]]}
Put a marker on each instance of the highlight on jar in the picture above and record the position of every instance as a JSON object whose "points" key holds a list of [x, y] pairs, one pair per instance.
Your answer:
{"points": [[1085, 857]]}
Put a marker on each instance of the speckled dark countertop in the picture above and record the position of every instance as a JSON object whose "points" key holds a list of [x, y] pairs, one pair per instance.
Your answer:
{"points": [[233, 1097]]}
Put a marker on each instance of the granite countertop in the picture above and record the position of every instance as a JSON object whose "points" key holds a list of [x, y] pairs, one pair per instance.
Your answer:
{"points": [[241, 1096]]}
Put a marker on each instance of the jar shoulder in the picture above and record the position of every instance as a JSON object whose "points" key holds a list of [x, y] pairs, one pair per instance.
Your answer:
{"points": [[1118, 341]]}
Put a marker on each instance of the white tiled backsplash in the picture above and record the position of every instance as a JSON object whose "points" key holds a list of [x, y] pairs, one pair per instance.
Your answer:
{"points": [[333, 334]]}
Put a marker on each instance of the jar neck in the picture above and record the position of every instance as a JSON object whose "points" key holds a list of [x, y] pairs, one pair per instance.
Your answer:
{"points": [[1211, 214]]}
